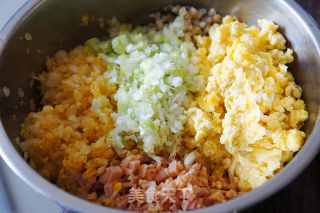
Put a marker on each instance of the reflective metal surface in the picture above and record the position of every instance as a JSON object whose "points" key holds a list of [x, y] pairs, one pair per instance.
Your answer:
{"points": [[55, 24]]}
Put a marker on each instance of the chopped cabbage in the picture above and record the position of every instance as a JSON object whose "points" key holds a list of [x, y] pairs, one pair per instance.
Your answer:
{"points": [[156, 73]]}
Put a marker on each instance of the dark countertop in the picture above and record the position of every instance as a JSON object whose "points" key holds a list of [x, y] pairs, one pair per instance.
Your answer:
{"points": [[302, 195]]}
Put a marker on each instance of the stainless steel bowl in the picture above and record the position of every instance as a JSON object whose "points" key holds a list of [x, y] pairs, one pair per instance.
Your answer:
{"points": [[55, 24]]}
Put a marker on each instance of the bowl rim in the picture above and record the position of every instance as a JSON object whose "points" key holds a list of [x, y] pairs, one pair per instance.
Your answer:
{"points": [[70, 202]]}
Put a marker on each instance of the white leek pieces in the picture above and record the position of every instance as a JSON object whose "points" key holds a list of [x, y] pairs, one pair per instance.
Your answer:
{"points": [[156, 73]]}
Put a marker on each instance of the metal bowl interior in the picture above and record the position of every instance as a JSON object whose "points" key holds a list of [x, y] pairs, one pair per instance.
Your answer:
{"points": [[55, 24]]}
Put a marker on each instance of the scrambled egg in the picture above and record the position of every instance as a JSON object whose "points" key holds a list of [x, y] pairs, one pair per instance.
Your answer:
{"points": [[251, 105]]}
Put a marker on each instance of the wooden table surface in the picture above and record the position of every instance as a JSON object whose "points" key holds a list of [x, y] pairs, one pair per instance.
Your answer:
{"points": [[303, 195]]}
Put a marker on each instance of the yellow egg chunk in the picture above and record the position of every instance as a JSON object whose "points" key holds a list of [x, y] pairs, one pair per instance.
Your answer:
{"points": [[254, 98]]}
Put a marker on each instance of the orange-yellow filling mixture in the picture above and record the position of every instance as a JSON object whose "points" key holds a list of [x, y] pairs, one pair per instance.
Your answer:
{"points": [[146, 123]]}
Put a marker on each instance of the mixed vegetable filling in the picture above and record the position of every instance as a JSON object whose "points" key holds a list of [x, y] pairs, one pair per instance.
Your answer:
{"points": [[187, 112]]}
